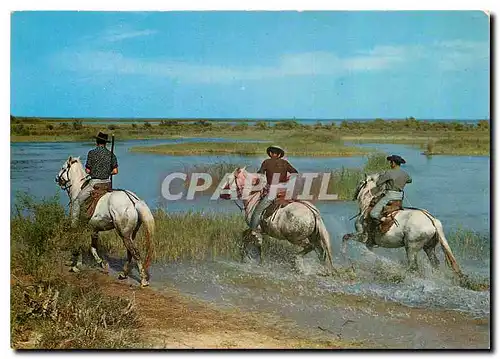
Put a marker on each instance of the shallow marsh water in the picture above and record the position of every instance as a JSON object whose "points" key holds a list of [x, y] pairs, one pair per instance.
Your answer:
{"points": [[456, 189]]}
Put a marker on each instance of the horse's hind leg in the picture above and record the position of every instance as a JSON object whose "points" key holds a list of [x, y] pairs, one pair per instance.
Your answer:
{"points": [[431, 254], [93, 249], [430, 250], [126, 267], [129, 244], [411, 255], [77, 261], [251, 238]]}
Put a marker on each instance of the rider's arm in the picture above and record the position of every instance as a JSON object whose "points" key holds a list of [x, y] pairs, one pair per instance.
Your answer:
{"points": [[290, 168], [114, 165], [262, 168], [383, 178], [88, 163]]}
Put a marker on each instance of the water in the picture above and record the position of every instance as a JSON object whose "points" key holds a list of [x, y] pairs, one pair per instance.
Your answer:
{"points": [[456, 189]]}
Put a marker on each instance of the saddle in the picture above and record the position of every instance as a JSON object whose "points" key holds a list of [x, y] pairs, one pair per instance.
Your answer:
{"points": [[100, 189], [389, 212], [279, 202]]}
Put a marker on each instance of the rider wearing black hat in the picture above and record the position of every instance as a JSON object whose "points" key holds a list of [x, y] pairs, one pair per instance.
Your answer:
{"points": [[100, 166], [394, 181]]}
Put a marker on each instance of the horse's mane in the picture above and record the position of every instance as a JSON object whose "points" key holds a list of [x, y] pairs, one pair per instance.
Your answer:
{"points": [[75, 160]]}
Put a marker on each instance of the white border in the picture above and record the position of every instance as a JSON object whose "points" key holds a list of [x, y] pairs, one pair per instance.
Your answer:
{"points": [[144, 5]]}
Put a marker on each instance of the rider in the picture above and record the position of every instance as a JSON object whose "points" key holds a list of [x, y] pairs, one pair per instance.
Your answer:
{"points": [[394, 180], [270, 166], [101, 165]]}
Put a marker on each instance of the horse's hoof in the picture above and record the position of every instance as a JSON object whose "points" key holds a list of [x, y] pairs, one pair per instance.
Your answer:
{"points": [[144, 283], [74, 269], [122, 276], [105, 266]]}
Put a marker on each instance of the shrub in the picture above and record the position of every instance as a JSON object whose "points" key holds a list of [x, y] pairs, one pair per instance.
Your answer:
{"points": [[203, 123], [147, 125], [169, 123], [241, 126], [47, 311], [20, 129], [287, 125], [483, 125], [261, 125], [33, 229], [77, 125]]}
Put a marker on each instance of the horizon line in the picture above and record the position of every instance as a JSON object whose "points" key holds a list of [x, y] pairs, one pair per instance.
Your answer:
{"points": [[245, 119]]}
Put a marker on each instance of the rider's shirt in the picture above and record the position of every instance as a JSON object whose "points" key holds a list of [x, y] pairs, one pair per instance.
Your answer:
{"points": [[395, 179], [276, 165], [101, 162]]}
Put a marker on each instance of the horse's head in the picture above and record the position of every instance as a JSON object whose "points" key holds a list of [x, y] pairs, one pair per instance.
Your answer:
{"points": [[240, 180], [63, 178], [365, 186]]}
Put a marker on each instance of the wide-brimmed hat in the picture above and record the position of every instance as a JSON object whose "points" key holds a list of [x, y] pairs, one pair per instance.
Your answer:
{"points": [[274, 149], [397, 159], [102, 136]]}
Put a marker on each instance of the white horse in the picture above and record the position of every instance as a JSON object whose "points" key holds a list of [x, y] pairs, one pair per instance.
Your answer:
{"points": [[299, 222], [415, 229], [121, 210]]}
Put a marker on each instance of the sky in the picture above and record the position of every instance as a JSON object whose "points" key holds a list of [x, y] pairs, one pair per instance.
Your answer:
{"points": [[215, 64]]}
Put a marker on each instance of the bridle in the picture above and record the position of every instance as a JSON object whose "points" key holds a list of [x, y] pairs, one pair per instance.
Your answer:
{"points": [[239, 192], [66, 184], [359, 188], [356, 194]]}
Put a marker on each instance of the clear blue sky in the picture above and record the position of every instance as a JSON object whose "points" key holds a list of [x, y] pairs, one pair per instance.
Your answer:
{"points": [[251, 64]]}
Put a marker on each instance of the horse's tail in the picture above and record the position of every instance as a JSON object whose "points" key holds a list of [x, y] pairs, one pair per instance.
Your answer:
{"points": [[448, 254], [147, 218], [324, 238], [321, 234], [450, 258]]}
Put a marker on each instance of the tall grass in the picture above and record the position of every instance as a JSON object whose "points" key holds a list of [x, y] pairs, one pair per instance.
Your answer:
{"points": [[216, 170], [472, 145], [47, 312], [469, 244], [344, 181], [196, 236]]}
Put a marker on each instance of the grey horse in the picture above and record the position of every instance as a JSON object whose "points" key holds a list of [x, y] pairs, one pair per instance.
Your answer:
{"points": [[299, 222], [414, 229], [121, 210]]}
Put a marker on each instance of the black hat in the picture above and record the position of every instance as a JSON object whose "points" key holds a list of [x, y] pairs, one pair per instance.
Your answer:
{"points": [[275, 149], [102, 136], [397, 159]]}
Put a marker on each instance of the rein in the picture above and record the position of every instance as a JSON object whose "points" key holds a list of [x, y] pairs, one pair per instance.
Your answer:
{"points": [[66, 185], [239, 193]]}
